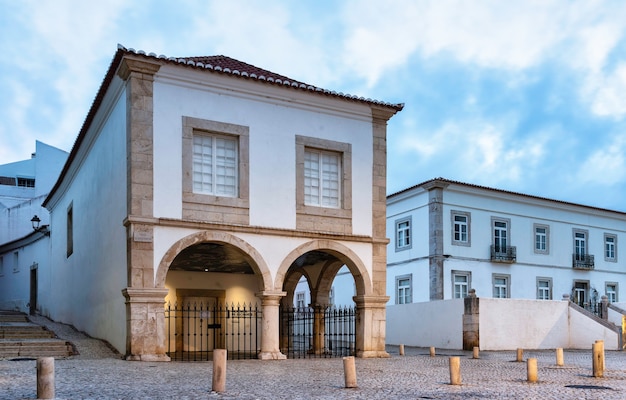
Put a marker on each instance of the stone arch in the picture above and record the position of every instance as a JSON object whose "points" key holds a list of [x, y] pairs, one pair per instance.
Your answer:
{"points": [[343, 253], [289, 286], [254, 258]]}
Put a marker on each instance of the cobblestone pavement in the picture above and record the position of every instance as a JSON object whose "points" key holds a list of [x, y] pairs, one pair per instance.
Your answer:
{"points": [[99, 373]]}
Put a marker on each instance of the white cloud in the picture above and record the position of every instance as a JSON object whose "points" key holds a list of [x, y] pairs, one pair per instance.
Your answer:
{"points": [[605, 93], [605, 166]]}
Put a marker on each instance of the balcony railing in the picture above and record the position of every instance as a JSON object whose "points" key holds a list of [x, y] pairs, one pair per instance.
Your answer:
{"points": [[582, 261], [504, 254]]}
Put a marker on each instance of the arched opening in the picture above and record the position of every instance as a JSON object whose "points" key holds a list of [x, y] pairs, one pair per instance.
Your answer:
{"points": [[318, 313], [212, 300]]}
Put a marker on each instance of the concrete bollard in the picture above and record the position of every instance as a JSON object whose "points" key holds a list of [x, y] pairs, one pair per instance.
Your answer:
{"points": [[476, 352], [559, 357], [45, 378], [531, 368], [219, 370], [432, 351], [455, 370], [349, 371], [401, 349], [601, 343], [520, 355], [596, 363]]}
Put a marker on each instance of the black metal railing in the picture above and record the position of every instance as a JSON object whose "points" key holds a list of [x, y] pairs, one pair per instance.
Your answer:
{"points": [[507, 254], [195, 330], [583, 261], [318, 332]]}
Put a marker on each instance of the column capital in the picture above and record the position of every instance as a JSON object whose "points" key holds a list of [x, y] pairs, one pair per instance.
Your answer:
{"points": [[130, 65], [371, 301], [270, 297], [148, 295]]}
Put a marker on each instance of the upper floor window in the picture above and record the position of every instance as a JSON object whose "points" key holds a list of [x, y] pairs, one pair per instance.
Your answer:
{"points": [[501, 286], [403, 234], [580, 244], [461, 281], [300, 296], [542, 233], [215, 161], [500, 235], [26, 182], [403, 289], [610, 248], [322, 178], [460, 228]]}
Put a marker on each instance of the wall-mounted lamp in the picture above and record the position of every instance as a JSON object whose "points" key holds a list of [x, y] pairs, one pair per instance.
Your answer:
{"points": [[35, 221]]}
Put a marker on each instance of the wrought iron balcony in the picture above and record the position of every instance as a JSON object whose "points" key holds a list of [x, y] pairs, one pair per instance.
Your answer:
{"points": [[582, 261], [504, 254]]}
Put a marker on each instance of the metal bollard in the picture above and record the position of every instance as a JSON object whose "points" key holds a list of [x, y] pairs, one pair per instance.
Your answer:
{"points": [[349, 371], [520, 355], [455, 370], [45, 378], [432, 351], [219, 370], [531, 368], [559, 357], [401, 349], [476, 352]]}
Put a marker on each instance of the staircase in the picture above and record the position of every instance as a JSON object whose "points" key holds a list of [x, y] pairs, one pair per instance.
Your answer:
{"points": [[21, 338]]}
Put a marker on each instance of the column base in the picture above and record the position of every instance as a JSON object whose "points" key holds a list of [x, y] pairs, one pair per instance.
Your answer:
{"points": [[148, 357], [272, 355], [372, 354]]}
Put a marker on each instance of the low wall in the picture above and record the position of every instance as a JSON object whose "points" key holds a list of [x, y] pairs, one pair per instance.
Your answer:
{"points": [[504, 324], [433, 323]]}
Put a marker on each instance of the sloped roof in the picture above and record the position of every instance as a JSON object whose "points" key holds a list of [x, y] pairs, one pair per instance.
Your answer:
{"points": [[490, 189]]}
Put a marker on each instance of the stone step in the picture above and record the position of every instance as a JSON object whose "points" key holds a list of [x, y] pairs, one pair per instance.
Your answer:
{"points": [[21, 334], [13, 318], [35, 348]]}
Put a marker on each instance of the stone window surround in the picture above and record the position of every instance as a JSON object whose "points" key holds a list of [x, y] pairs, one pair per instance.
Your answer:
{"points": [[608, 259], [344, 212], [408, 219], [212, 203], [398, 279], [616, 284], [507, 277], [467, 274], [534, 238], [543, 279], [467, 214]]}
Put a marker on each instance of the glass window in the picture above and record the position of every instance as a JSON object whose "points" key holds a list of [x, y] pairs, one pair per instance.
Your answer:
{"points": [[403, 289], [611, 292], [580, 245], [610, 249], [501, 286], [403, 234], [460, 228], [500, 234], [544, 288], [322, 172], [300, 300], [461, 281], [215, 161], [541, 238]]}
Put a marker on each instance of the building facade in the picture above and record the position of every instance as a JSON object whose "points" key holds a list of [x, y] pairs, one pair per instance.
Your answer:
{"points": [[448, 237], [210, 180]]}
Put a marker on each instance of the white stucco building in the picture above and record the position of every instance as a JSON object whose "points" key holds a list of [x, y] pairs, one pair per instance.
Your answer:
{"points": [[24, 251], [448, 237], [210, 180]]}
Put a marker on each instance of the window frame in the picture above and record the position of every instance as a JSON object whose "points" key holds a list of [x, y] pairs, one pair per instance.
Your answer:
{"points": [[408, 289], [547, 238], [507, 239], [323, 183], [397, 223], [507, 287], [215, 165], [575, 244], [549, 288], [468, 215], [466, 274], [305, 212], [605, 250], [606, 291]]}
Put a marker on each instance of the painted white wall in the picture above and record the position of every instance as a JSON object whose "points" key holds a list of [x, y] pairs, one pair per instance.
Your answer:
{"points": [[423, 324], [238, 288], [98, 198], [274, 122]]}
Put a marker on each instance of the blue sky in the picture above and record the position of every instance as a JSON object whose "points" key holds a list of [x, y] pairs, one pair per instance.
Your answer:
{"points": [[528, 96]]}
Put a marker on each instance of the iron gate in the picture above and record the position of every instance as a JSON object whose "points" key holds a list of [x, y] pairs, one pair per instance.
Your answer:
{"points": [[195, 330], [321, 332]]}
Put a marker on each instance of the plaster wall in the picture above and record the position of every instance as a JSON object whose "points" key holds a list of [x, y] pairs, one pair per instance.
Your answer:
{"points": [[433, 323], [274, 123], [89, 281], [239, 288]]}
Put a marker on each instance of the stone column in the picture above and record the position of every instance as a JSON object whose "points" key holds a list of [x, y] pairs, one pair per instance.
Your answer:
{"points": [[471, 326], [435, 240], [270, 342], [604, 307], [370, 326], [145, 324]]}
